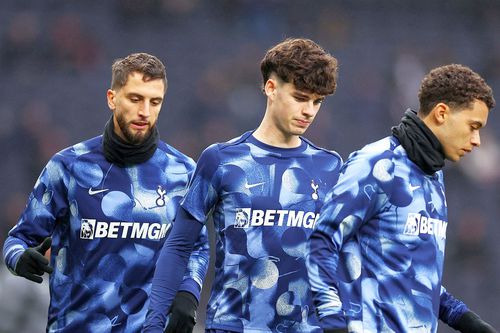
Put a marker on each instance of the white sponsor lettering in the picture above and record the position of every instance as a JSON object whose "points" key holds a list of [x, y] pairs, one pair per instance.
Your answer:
{"points": [[417, 224], [246, 218], [91, 229]]}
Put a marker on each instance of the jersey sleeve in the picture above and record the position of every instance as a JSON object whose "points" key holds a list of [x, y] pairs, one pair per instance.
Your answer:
{"points": [[197, 265], [189, 221], [202, 194], [46, 203], [450, 308], [356, 197]]}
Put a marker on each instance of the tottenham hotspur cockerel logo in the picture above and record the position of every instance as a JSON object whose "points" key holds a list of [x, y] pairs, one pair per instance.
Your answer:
{"points": [[315, 187]]}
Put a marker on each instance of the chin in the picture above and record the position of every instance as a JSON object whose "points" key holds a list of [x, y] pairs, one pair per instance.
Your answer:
{"points": [[300, 131]]}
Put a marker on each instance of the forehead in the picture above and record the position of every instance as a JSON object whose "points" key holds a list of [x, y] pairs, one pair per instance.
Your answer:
{"points": [[290, 87], [476, 112], [135, 83]]}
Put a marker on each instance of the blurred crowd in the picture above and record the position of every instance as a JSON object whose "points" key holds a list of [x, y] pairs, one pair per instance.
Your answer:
{"points": [[55, 59]]}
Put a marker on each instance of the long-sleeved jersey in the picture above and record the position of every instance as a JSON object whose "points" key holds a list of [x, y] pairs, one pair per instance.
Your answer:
{"points": [[396, 216], [108, 225], [264, 202]]}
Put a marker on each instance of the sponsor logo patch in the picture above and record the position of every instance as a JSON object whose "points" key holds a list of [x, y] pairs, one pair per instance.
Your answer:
{"points": [[417, 224], [247, 217], [91, 229]]}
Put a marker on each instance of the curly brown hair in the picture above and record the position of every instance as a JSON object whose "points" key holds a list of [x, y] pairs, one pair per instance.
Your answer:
{"points": [[455, 85], [301, 62], [150, 66]]}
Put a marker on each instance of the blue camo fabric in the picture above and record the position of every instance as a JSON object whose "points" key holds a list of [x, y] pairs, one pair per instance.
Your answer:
{"points": [[108, 225], [265, 201], [390, 220]]}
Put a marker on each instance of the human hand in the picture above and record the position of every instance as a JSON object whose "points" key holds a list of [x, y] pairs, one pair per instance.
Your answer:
{"points": [[182, 313], [32, 264]]}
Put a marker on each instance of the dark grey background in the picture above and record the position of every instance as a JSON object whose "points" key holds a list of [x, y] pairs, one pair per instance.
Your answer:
{"points": [[55, 59]]}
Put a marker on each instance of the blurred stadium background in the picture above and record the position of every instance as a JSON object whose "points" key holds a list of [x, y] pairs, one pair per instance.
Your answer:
{"points": [[55, 59]]}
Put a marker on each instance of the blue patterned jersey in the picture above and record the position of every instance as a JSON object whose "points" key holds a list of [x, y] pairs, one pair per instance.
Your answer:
{"points": [[265, 202], [107, 225], [392, 217]]}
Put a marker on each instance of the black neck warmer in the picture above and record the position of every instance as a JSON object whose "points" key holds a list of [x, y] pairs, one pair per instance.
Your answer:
{"points": [[421, 145], [122, 153]]}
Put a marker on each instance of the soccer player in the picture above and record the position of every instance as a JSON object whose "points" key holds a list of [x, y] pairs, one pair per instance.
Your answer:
{"points": [[106, 205], [264, 190], [390, 199]]}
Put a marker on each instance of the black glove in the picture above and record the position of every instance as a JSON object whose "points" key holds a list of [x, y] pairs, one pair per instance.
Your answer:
{"points": [[32, 263], [472, 323], [182, 313], [336, 330]]}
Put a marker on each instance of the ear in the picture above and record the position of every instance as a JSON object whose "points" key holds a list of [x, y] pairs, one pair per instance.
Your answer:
{"points": [[270, 88], [111, 96], [440, 113]]}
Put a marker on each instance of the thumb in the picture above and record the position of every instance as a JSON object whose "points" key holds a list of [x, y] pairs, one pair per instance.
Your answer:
{"points": [[42, 248]]}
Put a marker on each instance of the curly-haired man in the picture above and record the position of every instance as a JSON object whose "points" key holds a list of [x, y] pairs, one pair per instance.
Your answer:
{"points": [[390, 199], [264, 191]]}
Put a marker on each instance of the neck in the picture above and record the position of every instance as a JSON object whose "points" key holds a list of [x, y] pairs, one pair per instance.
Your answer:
{"points": [[420, 143], [273, 136], [118, 151]]}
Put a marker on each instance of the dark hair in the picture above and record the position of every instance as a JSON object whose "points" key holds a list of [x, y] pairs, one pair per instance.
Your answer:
{"points": [[150, 66], [455, 85], [301, 62]]}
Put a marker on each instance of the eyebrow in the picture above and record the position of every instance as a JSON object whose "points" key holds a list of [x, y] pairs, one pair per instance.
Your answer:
{"points": [[133, 94], [299, 93]]}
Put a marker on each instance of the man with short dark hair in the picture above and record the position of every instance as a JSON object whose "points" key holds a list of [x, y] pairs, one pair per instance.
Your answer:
{"points": [[105, 207], [390, 200]]}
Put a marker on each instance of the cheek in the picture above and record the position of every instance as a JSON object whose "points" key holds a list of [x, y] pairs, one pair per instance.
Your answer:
{"points": [[154, 116], [122, 108]]}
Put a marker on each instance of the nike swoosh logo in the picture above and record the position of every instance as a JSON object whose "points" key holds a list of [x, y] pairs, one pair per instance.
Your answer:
{"points": [[92, 192], [249, 186], [413, 188]]}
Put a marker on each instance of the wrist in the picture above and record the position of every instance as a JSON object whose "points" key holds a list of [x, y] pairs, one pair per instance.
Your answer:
{"points": [[188, 297], [470, 322], [336, 330], [15, 260]]}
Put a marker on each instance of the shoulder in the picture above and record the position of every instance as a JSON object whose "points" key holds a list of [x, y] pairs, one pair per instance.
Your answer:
{"points": [[235, 142], [322, 152], [375, 160], [63, 163], [383, 149], [218, 153], [215, 150], [174, 156], [70, 154]]}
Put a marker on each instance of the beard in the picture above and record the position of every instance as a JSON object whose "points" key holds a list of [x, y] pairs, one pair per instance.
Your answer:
{"points": [[132, 138]]}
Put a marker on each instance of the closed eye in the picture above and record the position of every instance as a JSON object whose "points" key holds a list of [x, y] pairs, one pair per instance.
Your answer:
{"points": [[135, 98], [301, 98], [156, 102]]}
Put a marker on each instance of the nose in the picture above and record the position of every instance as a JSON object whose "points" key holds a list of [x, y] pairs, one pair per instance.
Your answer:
{"points": [[476, 139], [310, 109], [144, 110]]}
